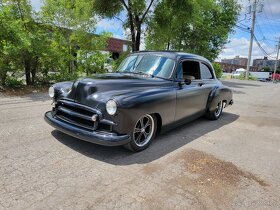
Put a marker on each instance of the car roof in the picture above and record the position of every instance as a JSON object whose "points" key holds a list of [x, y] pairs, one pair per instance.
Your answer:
{"points": [[173, 55]]}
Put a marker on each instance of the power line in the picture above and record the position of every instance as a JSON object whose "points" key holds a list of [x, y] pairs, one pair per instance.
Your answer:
{"points": [[264, 39], [262, 49], [242, 28]]}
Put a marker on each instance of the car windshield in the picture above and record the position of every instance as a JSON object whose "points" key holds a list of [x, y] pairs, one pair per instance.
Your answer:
{"points": [[148, 64]]}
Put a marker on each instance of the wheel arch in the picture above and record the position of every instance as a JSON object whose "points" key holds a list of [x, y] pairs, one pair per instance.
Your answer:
{"points": [[217, 94], [159, 122]]}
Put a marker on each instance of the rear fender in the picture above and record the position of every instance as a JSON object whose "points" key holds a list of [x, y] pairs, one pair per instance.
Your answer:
{"points": [[218, 93]]}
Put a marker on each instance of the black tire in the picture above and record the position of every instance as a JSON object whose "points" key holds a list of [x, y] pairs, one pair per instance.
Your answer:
{"points": [[214, 115], [143, 133]]}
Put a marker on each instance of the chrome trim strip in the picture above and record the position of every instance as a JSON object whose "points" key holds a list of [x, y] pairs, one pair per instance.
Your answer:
{"points": [[71, 112], [65, 119], [75, 104]]}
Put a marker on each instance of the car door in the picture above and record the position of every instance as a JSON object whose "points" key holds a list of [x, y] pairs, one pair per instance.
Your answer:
{"points": [[190, 98], [208, 81]]}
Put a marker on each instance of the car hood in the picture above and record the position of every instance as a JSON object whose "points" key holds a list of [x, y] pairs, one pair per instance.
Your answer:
{"points": [[98, 89]]}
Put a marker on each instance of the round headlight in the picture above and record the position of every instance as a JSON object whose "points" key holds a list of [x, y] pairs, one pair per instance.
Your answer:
{"points": [[111, 107], [51, 91]]}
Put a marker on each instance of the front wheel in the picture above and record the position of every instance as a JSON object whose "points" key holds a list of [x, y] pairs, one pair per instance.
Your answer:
{"points": [[214, 115], [143, 133]]}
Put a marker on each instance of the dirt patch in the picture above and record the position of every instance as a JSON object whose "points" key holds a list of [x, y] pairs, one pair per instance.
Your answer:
{"points": [[261, 121], [214, 171], [200, 180], [24, 90], [151, 168]]}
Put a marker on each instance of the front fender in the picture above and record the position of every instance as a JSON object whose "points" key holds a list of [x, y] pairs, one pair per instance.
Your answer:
{"points": [[132, 106], [61, 89], [217, 94]]}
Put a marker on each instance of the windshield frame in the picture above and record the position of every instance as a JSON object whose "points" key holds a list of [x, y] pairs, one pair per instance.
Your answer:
{"points": [[144, 73]]}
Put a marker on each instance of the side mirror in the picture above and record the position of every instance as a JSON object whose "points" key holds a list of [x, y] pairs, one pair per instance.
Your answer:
{"points": [[188, 81]]}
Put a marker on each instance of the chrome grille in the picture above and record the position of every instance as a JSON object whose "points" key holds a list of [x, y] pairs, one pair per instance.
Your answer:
{"points": [[76, 114]]}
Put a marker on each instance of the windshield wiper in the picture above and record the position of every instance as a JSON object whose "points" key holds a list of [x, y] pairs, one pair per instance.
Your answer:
{"points": [[151, 75], [144, 73], [141, 72]]}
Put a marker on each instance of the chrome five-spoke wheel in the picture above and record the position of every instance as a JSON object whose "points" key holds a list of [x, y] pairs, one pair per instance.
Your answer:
{"points": [[219, 109], [143, 130], [143, 133], [215, 114]]}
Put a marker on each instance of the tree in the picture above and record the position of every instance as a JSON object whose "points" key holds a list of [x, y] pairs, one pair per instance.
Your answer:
{"points": [[203, 30], [24, 40], [72, 26], [169, 16], [136, 12]]}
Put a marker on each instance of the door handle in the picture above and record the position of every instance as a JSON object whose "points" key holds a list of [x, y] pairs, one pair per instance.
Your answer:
{"points": [[201, 83]]}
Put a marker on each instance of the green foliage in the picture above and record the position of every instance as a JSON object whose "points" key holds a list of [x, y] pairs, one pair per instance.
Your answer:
{"points": [[242, 77], [108, 8], [136, 12], [13, 82], [218, 70], [118, 61], [56, 77], [199, 27], [57, 39], [266, 68]]}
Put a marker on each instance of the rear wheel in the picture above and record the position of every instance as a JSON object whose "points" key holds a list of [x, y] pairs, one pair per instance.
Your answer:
{"points": [[143, 133], [214, 115]]}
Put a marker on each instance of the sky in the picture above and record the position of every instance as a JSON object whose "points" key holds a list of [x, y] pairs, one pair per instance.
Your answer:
{"points": [[267, 30]]}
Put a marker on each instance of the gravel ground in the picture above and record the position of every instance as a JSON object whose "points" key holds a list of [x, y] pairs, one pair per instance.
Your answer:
{"points": [[232, 163]]}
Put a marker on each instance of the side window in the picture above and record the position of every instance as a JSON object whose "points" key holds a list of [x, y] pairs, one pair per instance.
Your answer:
{"points": [[179, 72], [188, 70], [205, 72]]}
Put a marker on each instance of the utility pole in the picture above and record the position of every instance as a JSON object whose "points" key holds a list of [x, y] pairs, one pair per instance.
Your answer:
{"points": [[276, 62], [253, 9]]}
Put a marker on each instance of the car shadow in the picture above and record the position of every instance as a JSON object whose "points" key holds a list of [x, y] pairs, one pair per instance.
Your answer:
{"points": [[162, 145]]}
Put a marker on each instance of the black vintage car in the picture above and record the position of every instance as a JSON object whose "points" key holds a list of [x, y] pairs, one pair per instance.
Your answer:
{"points": [[150, 93]]}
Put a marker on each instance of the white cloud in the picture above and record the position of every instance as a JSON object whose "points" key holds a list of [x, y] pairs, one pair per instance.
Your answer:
{"points": [[36, 4], [106, 25], [267, 28], [240, 46]]}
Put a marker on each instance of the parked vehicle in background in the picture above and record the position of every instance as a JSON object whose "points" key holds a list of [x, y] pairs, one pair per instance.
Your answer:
{"points": [[238, 73], [150, 92], [262, 76], [275, 76]]}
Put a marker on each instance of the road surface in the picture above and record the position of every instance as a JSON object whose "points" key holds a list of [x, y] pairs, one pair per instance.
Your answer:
{"points": [[232, 163]]}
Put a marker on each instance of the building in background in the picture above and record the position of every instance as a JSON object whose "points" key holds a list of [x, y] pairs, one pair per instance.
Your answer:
{"points": [[265, 63], [236, 61], [117, 46], [227, 67]]}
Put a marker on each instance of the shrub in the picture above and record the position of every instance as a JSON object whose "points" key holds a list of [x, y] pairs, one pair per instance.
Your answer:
{"points": [[242, 77], [55, 77], [118, 61], [218, 70], [13, 82]]}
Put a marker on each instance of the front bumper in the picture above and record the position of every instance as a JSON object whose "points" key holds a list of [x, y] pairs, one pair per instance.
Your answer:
{"points": [[102, 138]]}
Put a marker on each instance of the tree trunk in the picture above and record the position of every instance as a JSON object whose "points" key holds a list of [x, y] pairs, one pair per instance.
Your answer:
{"points": [[138, 40], [131, 24], [132, 31], [34, 69], [3, 72], [138, 33], [27, 68], [168, 45]]}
